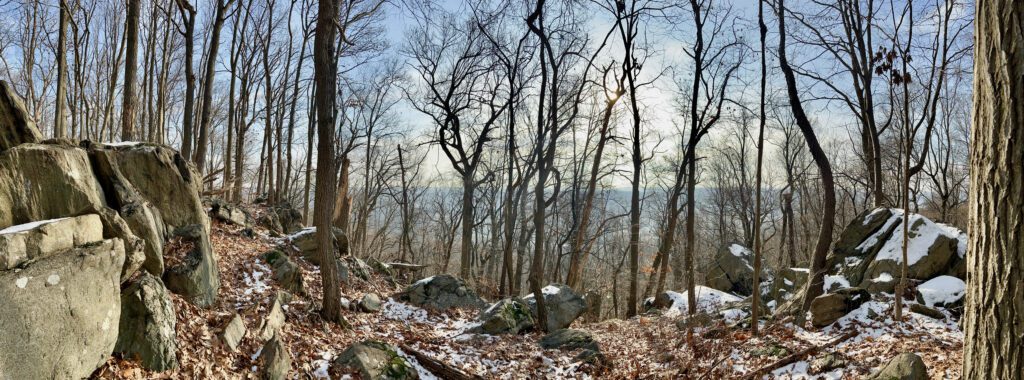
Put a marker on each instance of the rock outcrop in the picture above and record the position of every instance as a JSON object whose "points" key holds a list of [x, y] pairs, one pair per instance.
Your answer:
{"points": [[146, 330], [507, 316], [442, 292], [376, 361], [277, 360], [16, 125], [732, 272], [285, 271], [868, 253], [192, 268], [562, 304], [827, 308], [905, 366], [61, 311]]}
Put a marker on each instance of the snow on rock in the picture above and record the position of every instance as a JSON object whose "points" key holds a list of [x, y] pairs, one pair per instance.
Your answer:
{"points": [[739, 251], [708, 300], [918, 244], [961, 237], [27, 226], [942, 290], [838, 281]]}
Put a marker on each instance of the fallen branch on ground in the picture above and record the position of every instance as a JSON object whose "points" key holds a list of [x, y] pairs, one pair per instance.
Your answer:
{"points": [[757, 374], [437, 367]]}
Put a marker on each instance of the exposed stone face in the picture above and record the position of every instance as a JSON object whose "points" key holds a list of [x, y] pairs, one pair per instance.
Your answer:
{"points": [[376, 361], [277, 360], [60, 313], [146, 328], [16, 125], [21, 243], [442, 292], [828, 308], [370, 303], [229, 213], [732, 270], [233, 333], [194, 275], [507, 316], [562, 304], [42, 182], [174, 191], [274, 320], [905, 366]]}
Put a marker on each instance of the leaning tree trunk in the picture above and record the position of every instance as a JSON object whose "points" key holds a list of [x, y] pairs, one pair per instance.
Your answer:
{"points": [[994, 314], [828, 187]]}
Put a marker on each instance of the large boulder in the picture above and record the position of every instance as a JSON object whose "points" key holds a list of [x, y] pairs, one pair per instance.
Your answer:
{"points": [[732, 272], [192, 267], [16, 125], [931, 251], [60, 312], [146, 328], [228, 213], [41, 182], [165, 179], [562, 304], [305, 242], [788, 281], [508, 316], [827, 308], [869, 252], [442, 292], [376, 360], [905, 366]]}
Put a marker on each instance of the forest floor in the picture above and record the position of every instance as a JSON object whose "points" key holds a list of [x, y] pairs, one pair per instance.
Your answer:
{"points": [[649, 346]]}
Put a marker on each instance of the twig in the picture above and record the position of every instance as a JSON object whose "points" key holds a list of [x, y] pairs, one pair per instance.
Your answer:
{"points": [[437, 367], [797, 356]]}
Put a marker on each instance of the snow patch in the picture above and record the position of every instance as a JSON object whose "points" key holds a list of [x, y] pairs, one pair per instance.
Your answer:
{"points": [[839, 280], [923, 233], [21, 283], [27, 226], [708, 300], [739, 251], [942, 289]]}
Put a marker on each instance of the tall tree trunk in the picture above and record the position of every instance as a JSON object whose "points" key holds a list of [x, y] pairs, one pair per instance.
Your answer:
{"points": [[993, 318], [205, 113], [466, 257], [189, 18], [130, 65], [756, 298], [828, 188], [59, 125], [325, 74]]}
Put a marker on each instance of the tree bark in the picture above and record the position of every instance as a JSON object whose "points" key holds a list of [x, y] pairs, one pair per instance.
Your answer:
{"points": [[325, 75], [59, 126], [994, 321], [828, 187], [205, 114], [130, 65]]}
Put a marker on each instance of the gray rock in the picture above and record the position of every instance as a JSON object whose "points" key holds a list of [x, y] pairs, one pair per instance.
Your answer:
{"points": [[233, 333], [940, 258], [60, 313], [62, 181], [370, 303], [274, 320], [164, 178], [277, 361], [568, 339], [31, 241], [905, 366], [16, 125], [228, 213], [134, 247], [305, 242], [562, 304], [827, 308], [146, 328], [507, 316], [442, 292], [376, 361], [286, 272], [193, 274], [828, 362], [732, 272]]}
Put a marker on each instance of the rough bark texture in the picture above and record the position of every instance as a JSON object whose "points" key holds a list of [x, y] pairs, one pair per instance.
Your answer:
{"points": [[325, 76], [994, 327], [130, 65]]}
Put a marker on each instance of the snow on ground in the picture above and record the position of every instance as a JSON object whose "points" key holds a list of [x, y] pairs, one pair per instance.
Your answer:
{"points": [[942, 290], [837, 280]]}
